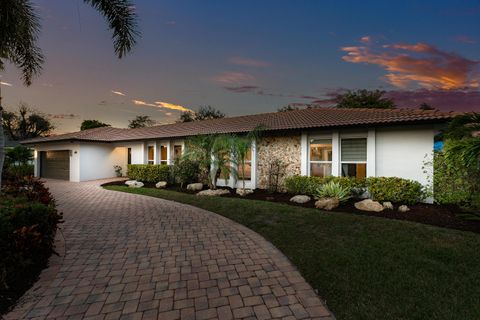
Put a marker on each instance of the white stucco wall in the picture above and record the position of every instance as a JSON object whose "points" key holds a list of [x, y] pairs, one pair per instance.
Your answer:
{"points": [[401, 152], [97, 160], [138, 153], [74, 149]]}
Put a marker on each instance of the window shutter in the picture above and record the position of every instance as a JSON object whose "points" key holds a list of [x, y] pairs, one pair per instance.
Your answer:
{"points": [[354, 150]]}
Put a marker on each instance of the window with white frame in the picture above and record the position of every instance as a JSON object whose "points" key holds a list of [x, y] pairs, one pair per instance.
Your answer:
{"points": [[163, 155], [177, 151], [354, 157], [151, 154], [320, 159]]}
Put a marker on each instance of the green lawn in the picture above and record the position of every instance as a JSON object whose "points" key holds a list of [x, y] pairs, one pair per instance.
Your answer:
{"points": [[364, 267]]}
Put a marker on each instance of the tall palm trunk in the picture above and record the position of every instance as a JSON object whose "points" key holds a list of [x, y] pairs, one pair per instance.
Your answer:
{"points": [[2, 140]]}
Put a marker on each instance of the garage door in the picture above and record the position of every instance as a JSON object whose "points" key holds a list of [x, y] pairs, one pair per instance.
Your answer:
{"points": [[55, 164]]}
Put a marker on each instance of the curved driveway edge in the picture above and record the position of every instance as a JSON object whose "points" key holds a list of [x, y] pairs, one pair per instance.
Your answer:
{"points": [[128, 256]]}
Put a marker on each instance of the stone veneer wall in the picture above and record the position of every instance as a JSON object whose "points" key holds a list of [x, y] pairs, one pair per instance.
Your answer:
{"points": [[284, 147]]}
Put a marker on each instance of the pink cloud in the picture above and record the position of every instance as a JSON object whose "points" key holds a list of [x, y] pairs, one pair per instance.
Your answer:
{"points": [[421, 65], [465, 39], [230, 78], [249, 62]]}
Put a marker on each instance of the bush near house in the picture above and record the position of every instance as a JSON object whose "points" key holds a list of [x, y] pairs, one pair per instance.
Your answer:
{"points": [[309, 185], [185, 171], [396, 190], [148, 172], [28, 223]]}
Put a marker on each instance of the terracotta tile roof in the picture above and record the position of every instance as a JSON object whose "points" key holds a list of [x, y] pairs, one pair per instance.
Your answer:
{"points": [[297, 119]]}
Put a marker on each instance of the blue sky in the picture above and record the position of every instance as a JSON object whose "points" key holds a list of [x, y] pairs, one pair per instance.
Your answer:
{"points": [[247, 57]]}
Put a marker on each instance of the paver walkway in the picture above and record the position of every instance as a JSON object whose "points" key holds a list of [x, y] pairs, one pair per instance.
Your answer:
{"points": [[128, 256]]}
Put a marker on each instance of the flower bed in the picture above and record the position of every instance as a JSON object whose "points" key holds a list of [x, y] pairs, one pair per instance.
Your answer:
{"points": [[28, 223]]}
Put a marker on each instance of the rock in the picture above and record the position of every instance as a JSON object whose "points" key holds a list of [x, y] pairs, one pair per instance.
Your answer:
{"points": [[387, 205], [403, 208], [136, 184], [300, 199], [161, 185], [216, 192], [327, 203], [243, 192], [130, 182], [369, 205], [195, 186]]}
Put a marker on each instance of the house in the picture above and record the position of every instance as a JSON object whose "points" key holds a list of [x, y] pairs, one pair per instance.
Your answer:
{"points": [[315, 142]]}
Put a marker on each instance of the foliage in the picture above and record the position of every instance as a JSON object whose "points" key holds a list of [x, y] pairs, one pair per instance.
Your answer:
{"points": [[240, 145], [364, 99], [276, 169], [203, 113], [118, 170], [287, 108], [425, 106], [148, 172], [141, 122], [452, 182], [18, 155], [28, 223], [11, 172], [91, 124], [26, 123], [396, 190], [333, 189], [309, 185], [184, 171], [382, 268]]}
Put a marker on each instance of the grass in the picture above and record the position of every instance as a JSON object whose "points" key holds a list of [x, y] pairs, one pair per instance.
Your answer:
{"points": [[364, 267]]}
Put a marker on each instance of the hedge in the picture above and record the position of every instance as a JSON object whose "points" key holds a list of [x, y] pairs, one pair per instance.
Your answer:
{"points": [[148, 172], [396, 190], [309, 185]]}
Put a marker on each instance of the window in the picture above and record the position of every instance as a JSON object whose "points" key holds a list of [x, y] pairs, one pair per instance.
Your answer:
{"points": [[320, 157], [245, 171], [129, 155], [177, 152], [163, 155], [151, 154], [354, 157]]}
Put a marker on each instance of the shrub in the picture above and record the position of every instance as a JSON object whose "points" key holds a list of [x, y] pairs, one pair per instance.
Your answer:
{"points": [[13, 172], [148, 172], [184, 171], [275, 171], [333, 189], [28, 223], [395, 189], [309, 185]]}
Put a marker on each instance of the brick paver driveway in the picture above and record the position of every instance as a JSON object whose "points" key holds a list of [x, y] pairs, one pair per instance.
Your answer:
{"points": [[128, 256]]}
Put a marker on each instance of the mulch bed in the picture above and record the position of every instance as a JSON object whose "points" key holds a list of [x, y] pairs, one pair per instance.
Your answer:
{"points": [[431, 214]]}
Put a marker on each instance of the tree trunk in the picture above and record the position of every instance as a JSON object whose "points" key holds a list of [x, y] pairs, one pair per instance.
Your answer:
{"points": [[2, 143]]}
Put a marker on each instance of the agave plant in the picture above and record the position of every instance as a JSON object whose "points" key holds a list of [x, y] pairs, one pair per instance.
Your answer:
{"points": [[333, 190]]}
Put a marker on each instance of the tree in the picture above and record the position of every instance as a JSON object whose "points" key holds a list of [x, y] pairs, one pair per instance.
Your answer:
{"points": [[203, 113], [91, 124], [19, 155], [287, 108], [364, 99], [463, 142], [425, 106], [26, 123], [19, 29], [141, 122]]}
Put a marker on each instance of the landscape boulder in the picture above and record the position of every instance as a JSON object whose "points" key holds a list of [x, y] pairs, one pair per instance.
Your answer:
{"points": [[243, 192], [161, 184], [403, 208], [216, 192], [300, 199], [195, 186], [136, 184], [369, 205], [327, 203], [387, 205], [130, 182]]}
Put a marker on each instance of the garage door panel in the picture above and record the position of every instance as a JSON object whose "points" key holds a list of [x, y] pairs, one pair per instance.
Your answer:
{"points": [[55, 164]]}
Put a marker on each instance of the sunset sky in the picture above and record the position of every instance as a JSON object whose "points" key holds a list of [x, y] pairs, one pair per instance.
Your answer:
{"points": [[246, 57]]}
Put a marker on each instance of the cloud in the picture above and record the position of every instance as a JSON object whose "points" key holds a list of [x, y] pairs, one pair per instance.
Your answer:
{"points": [[249, 62], [6, 84], [465, 39], [118, 93], [365, 39], [420, 64], [63, 116], [143, 103], [171, 106], [242, 89], [232, 78]]}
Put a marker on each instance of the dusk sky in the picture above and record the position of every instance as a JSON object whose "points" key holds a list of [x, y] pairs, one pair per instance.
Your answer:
{"points": [[245, 57]]}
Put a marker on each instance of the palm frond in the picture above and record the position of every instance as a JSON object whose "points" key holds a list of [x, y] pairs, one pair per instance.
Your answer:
{"points": [[122, 20], [19, 30]]}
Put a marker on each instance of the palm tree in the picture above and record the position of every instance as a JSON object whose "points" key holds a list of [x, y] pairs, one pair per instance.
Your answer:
{"points": [[19, 29], [463, 140]]}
